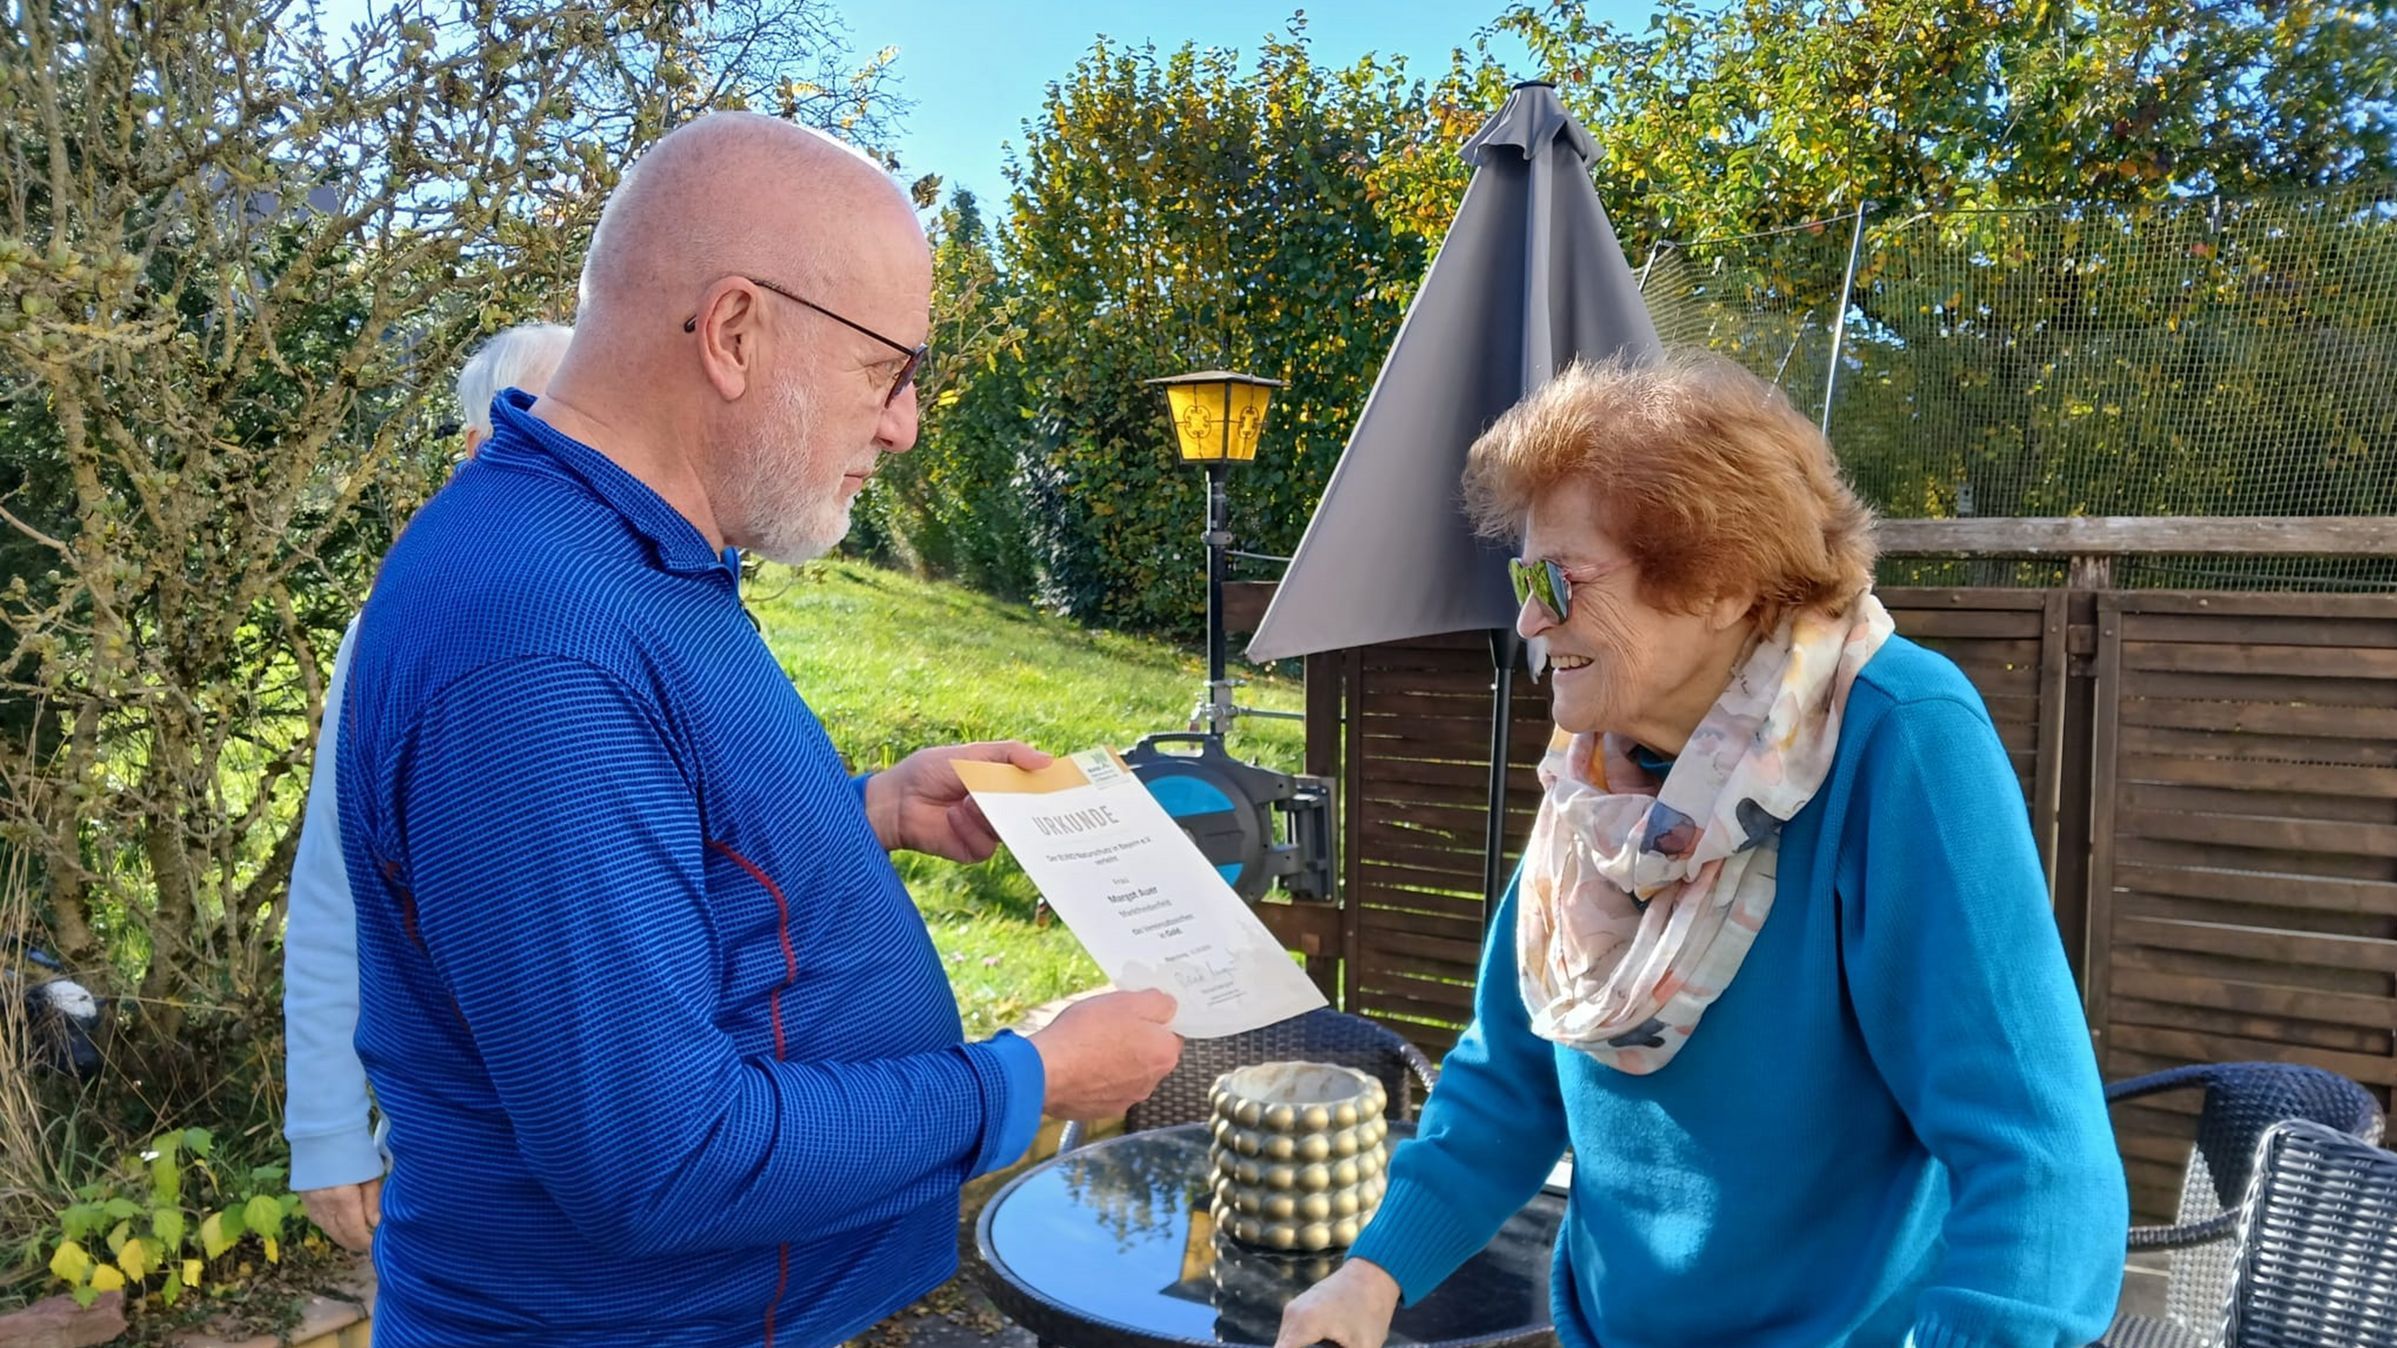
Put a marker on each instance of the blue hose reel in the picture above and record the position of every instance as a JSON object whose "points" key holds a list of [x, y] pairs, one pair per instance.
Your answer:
{"points": [[1228, 807]]}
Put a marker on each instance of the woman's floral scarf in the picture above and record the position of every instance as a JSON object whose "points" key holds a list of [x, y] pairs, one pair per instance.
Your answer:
{"points": [[1639, 899]]}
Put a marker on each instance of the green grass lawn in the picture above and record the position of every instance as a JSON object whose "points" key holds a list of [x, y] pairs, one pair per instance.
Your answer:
{"points": [[892, 663]]}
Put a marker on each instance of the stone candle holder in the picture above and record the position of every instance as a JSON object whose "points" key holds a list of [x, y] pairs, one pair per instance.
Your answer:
{"points": [[1298, 1155]]}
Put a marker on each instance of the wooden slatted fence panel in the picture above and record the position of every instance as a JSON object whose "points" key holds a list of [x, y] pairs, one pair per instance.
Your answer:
{"points": [[1414, 790], [2244, 861], [2013, 645]]}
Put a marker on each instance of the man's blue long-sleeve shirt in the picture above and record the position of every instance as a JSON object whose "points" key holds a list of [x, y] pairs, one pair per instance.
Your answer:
{"points": [[666, 1050]]}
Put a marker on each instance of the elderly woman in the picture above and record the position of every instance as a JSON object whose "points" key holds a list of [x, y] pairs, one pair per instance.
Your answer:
{"points": [[1778, 966]]}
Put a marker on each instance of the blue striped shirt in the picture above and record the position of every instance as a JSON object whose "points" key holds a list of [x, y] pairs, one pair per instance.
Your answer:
{"points": [[667, 1053]]}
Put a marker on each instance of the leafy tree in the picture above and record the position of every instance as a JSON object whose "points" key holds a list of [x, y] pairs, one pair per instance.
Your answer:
{"points": [[954, 508], [1766, 113], [243, 259], [1175, 212], [2102, 355]]}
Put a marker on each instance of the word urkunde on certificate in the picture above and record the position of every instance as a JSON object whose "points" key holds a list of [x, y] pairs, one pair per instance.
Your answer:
{"points": [[1139, 894]]}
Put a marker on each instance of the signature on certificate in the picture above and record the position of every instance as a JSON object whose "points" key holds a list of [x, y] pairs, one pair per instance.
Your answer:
{"points": [[1199, 974]]}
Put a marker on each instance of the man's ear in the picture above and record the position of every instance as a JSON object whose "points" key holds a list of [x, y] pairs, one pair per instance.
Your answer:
{"points": [[727, 335]]}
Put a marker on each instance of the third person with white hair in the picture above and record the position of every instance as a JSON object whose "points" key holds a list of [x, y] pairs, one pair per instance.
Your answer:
{"points": [[336, 1163]]}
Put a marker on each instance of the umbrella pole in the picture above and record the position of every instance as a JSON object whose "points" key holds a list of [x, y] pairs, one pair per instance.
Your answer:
{"points": [[1505, 647]]}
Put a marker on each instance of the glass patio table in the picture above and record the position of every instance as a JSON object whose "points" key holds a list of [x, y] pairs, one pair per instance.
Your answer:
{"points": [[1110, 1245]]}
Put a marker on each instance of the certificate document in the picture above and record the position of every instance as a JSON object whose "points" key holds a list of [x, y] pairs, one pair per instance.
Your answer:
{"points": [[1139, 894]]}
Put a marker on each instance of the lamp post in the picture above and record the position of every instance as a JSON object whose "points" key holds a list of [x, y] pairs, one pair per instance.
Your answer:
{"points": [[1218, 418]]}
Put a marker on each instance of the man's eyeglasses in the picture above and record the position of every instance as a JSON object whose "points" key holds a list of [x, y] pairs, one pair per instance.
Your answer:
{"points": [[1551, 583], [907, 368]]}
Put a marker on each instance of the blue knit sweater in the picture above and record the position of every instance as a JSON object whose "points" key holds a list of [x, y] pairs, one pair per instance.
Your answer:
{"points": [[667, 1054], [1888, 1130]]}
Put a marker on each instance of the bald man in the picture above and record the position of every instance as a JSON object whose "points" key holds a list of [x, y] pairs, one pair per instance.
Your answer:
{"points": [[667, 1054]]}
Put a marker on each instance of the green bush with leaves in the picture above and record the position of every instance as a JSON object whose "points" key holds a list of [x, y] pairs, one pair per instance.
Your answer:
{"points": [[172, 1222], [953, 508], [1181, 213], [1171, 211], [244, 249]]}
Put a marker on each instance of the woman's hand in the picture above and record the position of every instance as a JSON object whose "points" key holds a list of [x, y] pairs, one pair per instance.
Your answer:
{"points": [[349, 1213], [1351, 1308]]}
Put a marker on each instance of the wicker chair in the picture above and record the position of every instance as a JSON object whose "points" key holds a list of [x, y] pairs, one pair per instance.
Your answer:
{"points": [[1321, 1035], [2242, 1102], [2318, 1244]]}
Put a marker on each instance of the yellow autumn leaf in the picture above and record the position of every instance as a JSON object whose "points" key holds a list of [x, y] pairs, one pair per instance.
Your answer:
{"points": [[138, 1258], [105, 1278], [212, 1235], [274, 1252], [191, 1273], [72, 1263]]}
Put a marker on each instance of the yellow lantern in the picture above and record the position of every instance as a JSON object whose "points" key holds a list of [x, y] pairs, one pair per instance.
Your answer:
{"points": [[1218, 416]]}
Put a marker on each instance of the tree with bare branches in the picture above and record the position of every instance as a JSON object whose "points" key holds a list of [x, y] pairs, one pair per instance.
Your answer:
{"points": [[242, 256]]}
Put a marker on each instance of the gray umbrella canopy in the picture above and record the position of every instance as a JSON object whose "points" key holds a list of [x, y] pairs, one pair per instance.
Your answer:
{"points": [[1529, 279]]}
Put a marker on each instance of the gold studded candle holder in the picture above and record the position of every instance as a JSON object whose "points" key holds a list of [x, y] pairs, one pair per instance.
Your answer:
{"points": [[1298, 1155]]}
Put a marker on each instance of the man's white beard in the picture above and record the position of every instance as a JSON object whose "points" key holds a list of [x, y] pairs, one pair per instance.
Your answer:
{"points": [[787, 522]]}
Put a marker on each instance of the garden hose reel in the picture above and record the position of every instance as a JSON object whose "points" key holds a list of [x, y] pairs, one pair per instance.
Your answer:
{"points": [[1229, 807]]}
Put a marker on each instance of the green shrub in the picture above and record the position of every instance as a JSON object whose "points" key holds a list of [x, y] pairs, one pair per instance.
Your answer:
{"points": [[1171, 211], [172, 1222]]}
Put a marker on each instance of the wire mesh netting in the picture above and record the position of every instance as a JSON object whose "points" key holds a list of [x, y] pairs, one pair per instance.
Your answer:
{"points": [[1769, 301], [2190, 357]]}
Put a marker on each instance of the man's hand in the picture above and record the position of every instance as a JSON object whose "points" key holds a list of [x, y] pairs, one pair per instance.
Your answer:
{"points": [[1351, 1308], [1104, 1054], [921, 806], [349, 1213]]}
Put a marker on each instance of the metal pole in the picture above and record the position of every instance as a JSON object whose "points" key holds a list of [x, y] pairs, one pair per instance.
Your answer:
{"points": [[1505, 647], [1653, 250], [1218, 535], [1839, 323]]}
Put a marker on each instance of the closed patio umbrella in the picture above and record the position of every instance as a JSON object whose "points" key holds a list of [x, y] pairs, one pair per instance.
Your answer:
{"points": [[1529, 279]]}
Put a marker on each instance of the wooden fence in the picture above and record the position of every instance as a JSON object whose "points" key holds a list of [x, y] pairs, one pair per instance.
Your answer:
{"points": [[2243, 867], [2211, 777]]}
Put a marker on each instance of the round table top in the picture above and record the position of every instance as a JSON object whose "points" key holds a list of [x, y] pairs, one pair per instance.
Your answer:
{"points": [[1110, 1244]]}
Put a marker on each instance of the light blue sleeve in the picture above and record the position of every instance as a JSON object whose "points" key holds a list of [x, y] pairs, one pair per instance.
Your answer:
{"points": [[1967, 1006], [1490, 1133], [325, 1107]]}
